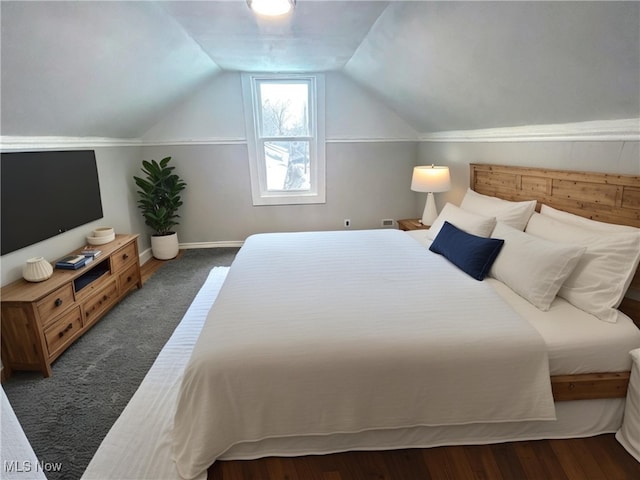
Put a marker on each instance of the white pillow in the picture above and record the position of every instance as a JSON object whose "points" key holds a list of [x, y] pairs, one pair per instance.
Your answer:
{"points": [[515, 214], [469, 222], [533, 267], [572, 219], [603, 274]]}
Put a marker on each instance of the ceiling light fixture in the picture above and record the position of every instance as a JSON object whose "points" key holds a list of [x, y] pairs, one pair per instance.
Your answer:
{"points": [[272, 8]]}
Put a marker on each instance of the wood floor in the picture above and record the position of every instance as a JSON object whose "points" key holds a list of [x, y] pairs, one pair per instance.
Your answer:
{"points": [[595, 458], [600, 458]]}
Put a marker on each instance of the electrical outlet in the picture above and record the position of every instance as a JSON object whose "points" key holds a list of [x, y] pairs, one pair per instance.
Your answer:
{"points": [[347, 223]]}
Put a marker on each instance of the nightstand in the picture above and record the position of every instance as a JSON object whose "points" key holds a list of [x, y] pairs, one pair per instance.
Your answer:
{"points": [[411, 224]]}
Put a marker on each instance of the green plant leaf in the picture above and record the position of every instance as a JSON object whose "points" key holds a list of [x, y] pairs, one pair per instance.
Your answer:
{"points": [[159, 195]]}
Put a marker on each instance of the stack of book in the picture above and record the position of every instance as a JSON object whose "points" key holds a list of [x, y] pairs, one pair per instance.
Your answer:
{"points": [[72, 262], [90, 252]]}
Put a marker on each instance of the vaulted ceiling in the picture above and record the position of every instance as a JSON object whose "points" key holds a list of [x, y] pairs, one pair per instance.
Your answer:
{"points": [[111, 69]]}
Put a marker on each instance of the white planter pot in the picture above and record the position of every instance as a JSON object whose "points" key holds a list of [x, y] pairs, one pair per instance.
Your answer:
{"points": [[165, 247]]}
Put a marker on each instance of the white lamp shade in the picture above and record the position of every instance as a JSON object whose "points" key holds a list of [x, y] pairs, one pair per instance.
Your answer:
{"points": [[37, 269], [430, 179]]}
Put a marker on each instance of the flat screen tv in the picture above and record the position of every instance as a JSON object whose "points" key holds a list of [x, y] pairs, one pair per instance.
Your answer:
{"points": [[46, 193]]}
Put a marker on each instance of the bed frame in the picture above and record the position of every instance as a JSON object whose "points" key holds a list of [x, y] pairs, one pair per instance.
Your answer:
{"points": [[598, 196]]}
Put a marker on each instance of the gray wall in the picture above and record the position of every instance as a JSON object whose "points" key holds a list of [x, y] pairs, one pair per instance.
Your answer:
{"points": [[622, 157], [366, 182], [370, 154], [115, 166]]}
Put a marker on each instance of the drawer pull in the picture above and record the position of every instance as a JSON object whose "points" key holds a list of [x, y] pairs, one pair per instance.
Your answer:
{"points": [[128, 278], [69, 327], [125, 256], [58, 302], [105, 298]]}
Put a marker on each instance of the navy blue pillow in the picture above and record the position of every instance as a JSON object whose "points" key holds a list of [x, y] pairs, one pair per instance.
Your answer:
{"points": [[470, 253]]}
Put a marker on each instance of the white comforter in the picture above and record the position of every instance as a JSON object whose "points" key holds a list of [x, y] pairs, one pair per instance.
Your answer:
{"points": [[328, 332]]}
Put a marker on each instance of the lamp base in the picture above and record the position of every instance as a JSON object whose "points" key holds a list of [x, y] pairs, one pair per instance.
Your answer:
{"points": [[430, 212]]}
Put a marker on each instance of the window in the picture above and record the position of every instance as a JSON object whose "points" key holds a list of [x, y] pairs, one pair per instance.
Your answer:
{"points": [[285, 136]]}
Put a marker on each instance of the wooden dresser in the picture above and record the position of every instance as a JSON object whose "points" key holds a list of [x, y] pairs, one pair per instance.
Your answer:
{"points": [[40, 320]]}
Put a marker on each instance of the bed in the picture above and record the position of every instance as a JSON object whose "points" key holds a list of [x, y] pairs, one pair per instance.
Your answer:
{"points": [[331, 341], [18, 458]]}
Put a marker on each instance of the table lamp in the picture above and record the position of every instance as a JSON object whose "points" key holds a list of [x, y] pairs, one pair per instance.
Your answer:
{"points": [[431, 179]]}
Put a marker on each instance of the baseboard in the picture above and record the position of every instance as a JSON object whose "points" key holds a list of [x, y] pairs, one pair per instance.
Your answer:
{"points": [[145, 256]]}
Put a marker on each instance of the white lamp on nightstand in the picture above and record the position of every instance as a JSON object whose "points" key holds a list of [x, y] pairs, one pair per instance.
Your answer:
{"points": [[431, 179]]}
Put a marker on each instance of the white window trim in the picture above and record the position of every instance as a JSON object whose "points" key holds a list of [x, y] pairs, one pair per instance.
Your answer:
{"points": [[259, 192]]}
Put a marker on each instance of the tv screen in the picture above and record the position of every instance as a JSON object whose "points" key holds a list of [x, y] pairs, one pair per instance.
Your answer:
{"points": [[46, 193]]}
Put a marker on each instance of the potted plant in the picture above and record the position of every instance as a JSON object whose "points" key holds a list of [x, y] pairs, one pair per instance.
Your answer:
{"points": [[159, 200]]}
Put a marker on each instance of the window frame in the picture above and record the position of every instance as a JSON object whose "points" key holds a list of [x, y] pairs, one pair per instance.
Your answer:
{"points": [[255, 142]]}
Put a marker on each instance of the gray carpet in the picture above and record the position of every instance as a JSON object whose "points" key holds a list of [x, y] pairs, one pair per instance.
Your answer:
{"points": [[66, 416]]}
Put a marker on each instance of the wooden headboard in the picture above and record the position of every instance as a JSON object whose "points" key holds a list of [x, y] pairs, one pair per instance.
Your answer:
{"points": [[599, 196]]}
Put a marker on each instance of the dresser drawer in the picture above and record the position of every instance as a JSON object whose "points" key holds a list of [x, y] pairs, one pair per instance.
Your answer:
{"points": [[55, 303], [123, 257], [128, 279], [98, 303], [63, 331]]}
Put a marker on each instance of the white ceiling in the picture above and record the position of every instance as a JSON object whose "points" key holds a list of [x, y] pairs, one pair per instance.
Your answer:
{"points": [[319, 36], [111, 69]]}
